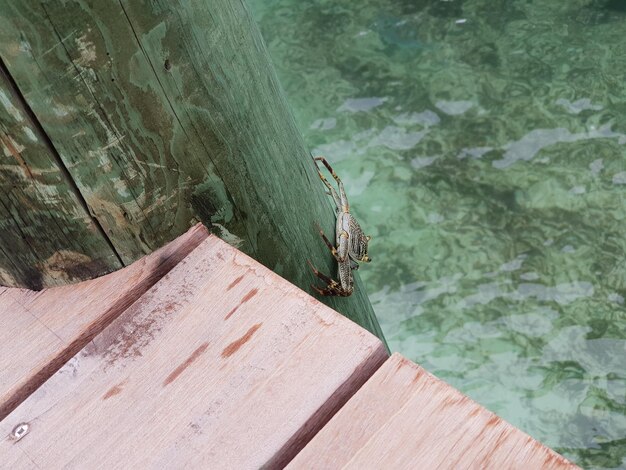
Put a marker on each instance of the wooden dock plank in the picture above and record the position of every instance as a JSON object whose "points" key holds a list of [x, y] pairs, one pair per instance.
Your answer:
{"points": [[41, 330], [404, 417], [222, 364]]}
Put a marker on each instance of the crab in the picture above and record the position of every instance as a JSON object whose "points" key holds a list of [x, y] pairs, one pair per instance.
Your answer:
{"points": [[351, 243]]}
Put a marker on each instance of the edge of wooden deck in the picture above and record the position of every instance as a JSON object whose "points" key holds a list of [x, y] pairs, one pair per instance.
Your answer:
{"points": [[342, 399]]}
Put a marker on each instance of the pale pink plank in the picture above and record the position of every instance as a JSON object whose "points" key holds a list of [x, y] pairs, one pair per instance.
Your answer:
{"points": [[222, 364], [42, 330], [405, 418]]}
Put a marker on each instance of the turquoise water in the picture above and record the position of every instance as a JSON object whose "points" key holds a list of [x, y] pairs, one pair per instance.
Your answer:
{"points": [[483, 145]]}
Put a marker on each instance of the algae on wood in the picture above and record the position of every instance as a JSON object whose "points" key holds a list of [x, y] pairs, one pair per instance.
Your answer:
{"points": [[169, 112]]}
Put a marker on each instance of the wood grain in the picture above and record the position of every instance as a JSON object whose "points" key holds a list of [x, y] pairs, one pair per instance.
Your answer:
{"points": [[222, 364], [45, 231], [403, 417], [177, 103], [43, 330]]}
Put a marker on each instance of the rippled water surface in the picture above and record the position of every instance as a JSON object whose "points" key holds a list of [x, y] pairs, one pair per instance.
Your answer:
{"points": [[483, 145]]}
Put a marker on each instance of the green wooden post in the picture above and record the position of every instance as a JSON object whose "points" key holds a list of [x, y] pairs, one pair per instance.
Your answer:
{"points": [[46, 232], [166, 112]]}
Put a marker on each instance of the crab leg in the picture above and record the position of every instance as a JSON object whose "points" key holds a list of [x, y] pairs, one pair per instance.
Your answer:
{"points": [[331, 190], [343, 205], [334, 288], [330, 246]]}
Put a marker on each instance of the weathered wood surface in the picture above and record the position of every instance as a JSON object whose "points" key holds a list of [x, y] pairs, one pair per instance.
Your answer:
{"points": [[46, 231], [405, 418], [176, 102], [222, 364], [42, 330]]}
